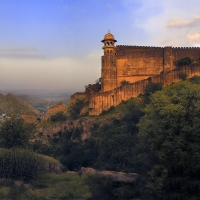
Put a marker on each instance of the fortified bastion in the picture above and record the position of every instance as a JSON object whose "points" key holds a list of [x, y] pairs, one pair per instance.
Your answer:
{"points": [[137, 66]]}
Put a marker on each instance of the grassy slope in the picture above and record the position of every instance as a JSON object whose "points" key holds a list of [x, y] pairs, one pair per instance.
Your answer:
{"points": [[11, 104], [48, 186]]}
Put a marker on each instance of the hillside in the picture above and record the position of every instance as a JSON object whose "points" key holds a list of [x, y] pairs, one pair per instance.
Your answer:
{"points": [[34, 101], [11, 104]]}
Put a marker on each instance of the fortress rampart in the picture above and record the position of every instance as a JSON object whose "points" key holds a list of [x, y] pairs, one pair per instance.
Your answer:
{"points": [[104, 100], [137, 66]]}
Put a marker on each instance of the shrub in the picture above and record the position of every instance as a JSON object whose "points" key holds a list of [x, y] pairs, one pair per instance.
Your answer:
{"points": [[150, 89], [183, 76], [184, 61], [76, 108], [60, 116], [20, 164], [14, 133], [124, 82]]}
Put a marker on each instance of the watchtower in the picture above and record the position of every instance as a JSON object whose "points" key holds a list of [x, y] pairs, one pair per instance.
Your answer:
{"points": [[108, 70]]}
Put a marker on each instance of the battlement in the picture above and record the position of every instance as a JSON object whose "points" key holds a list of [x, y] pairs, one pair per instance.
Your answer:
{"points": [[104, 100], [191, 48], [137, 65], [134, 46]]}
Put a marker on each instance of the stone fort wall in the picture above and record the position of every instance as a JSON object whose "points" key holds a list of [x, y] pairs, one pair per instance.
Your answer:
{"points": [[136, 63], [104, 100]]}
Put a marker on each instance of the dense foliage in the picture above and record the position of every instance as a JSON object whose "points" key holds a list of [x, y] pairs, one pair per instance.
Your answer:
{"points": [[20, 164], [60, 116], [156, 136], [184, 61], [150, 89], [15, 133], [75, 109], [169, 136]]}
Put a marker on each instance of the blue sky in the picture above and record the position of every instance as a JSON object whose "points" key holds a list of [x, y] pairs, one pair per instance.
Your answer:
{"points": [[55, 44]]}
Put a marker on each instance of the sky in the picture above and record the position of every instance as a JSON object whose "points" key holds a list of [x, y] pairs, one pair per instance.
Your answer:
{"points": [[56, 44]]}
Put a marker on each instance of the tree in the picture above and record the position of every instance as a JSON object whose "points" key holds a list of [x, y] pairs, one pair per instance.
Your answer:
{"points": [[60, 116], [150, 89], [169, 134], [76, 108], [14, 133], [183, 76], [184, 61]]}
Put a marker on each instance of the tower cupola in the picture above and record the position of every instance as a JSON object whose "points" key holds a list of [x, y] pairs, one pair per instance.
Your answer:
{"points": [[109, 40]]}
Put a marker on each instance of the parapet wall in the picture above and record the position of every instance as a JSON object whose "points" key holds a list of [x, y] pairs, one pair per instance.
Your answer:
{"points": [[103, 101]]}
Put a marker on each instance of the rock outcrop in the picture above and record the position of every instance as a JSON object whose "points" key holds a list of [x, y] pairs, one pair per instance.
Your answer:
{"points": [[53, 168], [48, 131], [59, 107], [30, 118], [115, 176]]}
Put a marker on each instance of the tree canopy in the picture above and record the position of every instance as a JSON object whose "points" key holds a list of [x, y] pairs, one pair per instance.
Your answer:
{"points": [[169, 135], [184, 61], [14, 133]]}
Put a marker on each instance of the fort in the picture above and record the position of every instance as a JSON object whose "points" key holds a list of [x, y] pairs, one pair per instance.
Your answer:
{"points": [[136, 66]]}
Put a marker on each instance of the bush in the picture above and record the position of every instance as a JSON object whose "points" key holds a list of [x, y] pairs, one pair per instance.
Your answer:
{"points": [[14, 133], [76, 108], [124, 83], [60, 116], [183, 76], [104, 187], [20, 164], [150, 89], [184, 61]]}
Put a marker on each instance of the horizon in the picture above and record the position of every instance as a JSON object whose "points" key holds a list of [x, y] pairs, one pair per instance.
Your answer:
{"points": [[56, 45]]}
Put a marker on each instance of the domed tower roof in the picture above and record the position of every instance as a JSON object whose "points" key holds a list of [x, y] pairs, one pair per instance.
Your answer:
{"points": [[109, 37]]}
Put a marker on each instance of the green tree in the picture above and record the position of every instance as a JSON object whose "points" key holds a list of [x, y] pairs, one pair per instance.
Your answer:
{"points": [[184, 61], [169, 142], [150, 89], [60, 116], [183, 76], [76, 108], [116, 141], [14, 133]]}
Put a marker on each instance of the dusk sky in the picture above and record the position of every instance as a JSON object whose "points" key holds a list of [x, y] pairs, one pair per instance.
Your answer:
{"points": [[56, 44]]}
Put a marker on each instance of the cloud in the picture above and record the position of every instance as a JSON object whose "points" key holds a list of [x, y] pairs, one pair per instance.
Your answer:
{"points": [[162, 26], [19, 49], [194, 37], [21, 52], [55, 73], [179, 23]]}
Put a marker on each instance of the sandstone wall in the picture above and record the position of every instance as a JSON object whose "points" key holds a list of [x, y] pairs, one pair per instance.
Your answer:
{"points": [[181, 52], [135, 63], [103, 101], [139, 60]]}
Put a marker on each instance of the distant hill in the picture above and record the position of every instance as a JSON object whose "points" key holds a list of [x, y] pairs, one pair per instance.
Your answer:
{"points": [[11, 104], [36, 102]]}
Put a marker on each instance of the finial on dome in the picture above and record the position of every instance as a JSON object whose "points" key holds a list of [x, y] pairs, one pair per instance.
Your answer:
{"points": [[109, 36]]}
